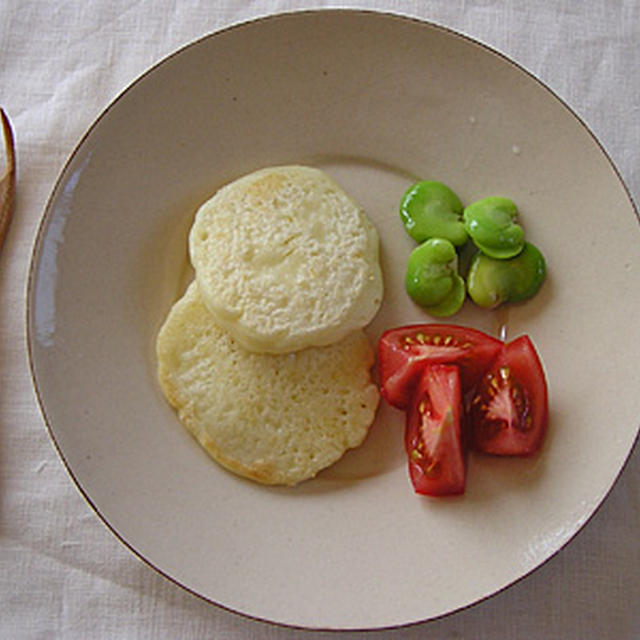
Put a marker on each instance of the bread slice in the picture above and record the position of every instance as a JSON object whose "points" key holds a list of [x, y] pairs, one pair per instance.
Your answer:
{"points": [[285, 259], [277, 419]]}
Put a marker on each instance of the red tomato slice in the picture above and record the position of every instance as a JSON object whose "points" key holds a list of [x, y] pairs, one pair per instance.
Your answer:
{"points": [[433, 435], [509, 410], [404, 352]]}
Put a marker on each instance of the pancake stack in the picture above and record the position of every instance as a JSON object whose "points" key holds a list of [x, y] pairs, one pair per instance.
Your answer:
{"points": [[264, 358]]}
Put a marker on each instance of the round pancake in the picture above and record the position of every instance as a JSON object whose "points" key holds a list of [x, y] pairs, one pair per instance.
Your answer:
{"points": [[277, 419], [285, 259]]}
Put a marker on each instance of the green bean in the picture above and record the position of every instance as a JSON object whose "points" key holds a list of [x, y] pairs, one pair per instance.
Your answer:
{"points": [[491, 225], [491, 281], [432, 279], [432, 210]]}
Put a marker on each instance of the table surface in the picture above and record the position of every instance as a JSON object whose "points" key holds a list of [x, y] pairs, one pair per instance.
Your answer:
{"points": [[62, 573]]}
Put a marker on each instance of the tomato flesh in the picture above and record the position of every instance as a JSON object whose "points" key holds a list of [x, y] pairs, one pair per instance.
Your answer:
{"points": [[433, 437], [509, 409], [404, 352]]}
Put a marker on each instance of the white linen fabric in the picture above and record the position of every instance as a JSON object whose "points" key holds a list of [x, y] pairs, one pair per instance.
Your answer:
{"points": [[62, 573]]}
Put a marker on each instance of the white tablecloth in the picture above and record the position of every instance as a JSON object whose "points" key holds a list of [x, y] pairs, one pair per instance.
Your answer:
{"points": [[62, 573]]}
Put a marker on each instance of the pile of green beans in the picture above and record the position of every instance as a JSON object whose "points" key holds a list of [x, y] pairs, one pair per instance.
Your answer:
{"points": [[503, 268]]}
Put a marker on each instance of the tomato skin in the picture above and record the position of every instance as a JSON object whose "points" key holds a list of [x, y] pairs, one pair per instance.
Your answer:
{"points": [[433, 435], [404, 352], [509, 410]]}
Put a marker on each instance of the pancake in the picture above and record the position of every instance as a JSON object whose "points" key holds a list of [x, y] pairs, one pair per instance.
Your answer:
{"points": [[277, 419], [285, 260]]}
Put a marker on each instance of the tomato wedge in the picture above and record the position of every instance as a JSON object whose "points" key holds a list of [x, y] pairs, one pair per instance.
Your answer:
{"points": [[433, 437], [405, 351], [509, 409]]}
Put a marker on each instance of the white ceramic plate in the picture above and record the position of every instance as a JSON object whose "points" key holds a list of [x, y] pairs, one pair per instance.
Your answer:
{"points": [[377, 101]]}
